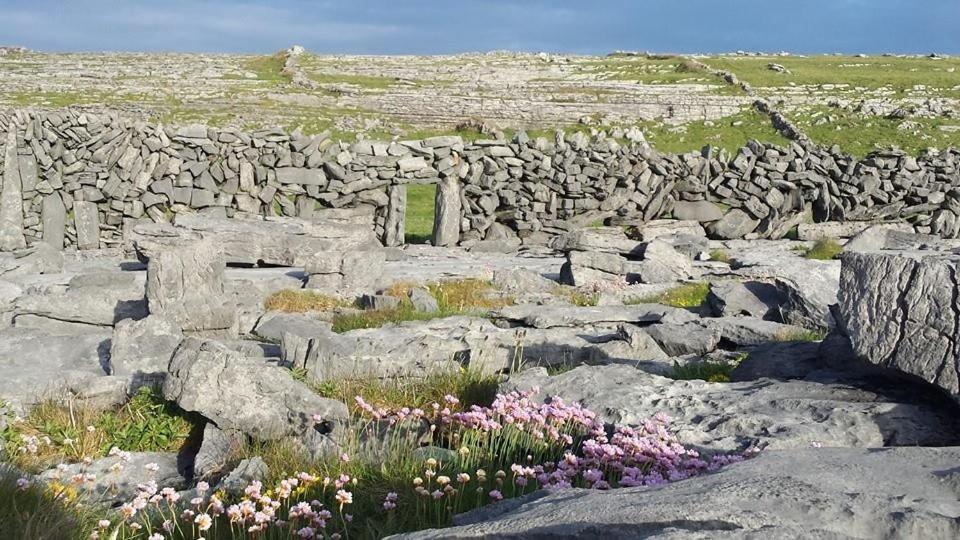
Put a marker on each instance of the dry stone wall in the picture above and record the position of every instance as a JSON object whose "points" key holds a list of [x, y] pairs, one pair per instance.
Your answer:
{"points": [[79, 179]]}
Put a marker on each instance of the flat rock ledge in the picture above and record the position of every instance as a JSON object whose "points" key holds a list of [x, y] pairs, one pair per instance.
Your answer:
{"points": [[798, 493]]}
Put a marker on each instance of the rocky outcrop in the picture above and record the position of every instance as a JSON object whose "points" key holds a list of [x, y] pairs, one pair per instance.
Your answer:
{"points": [[247, 395], [901, 310], [797, 493], [823, 406]]}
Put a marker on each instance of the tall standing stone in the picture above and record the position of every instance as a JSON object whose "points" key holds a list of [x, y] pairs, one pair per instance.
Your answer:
{"points": [[11, 197], [54, 216], [446, 224], [395, 224], [87, 220]]}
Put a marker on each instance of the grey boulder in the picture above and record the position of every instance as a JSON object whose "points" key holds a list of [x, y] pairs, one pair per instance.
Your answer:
{"points": [[141, 349], [901, 311], [246, 395]]}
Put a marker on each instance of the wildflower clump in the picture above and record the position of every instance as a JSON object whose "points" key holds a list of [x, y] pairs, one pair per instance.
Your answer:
{"points": [[479, 455]]}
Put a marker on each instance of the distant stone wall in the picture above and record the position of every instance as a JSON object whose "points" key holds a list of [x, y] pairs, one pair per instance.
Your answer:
{"points": [[539, 186], [78, 179]]}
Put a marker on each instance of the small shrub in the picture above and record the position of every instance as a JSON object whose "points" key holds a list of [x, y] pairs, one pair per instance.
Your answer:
{"points": [[824, 249], [301, 301], [688, 295], [689, 66], [720, 255]]}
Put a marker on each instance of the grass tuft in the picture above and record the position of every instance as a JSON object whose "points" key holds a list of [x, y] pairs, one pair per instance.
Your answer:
{"points": [[825, 249], [801, 335], [720, 255], [55, 432], [35, 511], [470, 386], [301, 301], [710, 371], [470, 296], [688, 295], [576, 296]]}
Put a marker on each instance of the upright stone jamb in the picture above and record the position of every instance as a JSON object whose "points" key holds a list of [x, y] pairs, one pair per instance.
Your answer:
{"points": [[11, 197], [394, 227], [446, 221]]}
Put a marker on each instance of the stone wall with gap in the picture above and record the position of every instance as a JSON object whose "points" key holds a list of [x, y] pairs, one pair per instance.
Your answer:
{"points": [[79, 179]]}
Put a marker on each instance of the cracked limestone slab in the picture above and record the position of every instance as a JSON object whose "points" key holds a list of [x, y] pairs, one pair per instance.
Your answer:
{"points": [[901, 310]]}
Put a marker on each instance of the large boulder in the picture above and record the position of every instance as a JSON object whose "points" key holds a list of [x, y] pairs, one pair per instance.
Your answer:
{"points": [[901, 310], [566, 316], [732, 298], [598, 239], [663, 264], [186, 285], [246, 394], [798, 493], [807, 287], [895, 236], [338, 271], [700, 211], [422, 349], [41, 258]]}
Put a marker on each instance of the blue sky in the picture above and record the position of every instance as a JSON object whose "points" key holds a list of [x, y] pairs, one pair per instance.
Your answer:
{"points": [[422, 27]]}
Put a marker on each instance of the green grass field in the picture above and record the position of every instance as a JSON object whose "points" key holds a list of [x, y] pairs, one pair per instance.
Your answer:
{"points": [[420, 208], [730, 133], [898, 74]]}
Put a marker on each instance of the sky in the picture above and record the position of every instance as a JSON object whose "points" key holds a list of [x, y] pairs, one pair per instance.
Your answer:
{"points": [[441, 27]]}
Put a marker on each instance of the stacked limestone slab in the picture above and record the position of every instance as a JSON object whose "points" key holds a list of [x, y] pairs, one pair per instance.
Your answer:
{"points": [[80, 179]]}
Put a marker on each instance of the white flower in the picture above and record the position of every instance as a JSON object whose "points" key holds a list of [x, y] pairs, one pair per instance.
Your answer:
{"points": [[344, 497], [203, 522], [152, 467]]}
